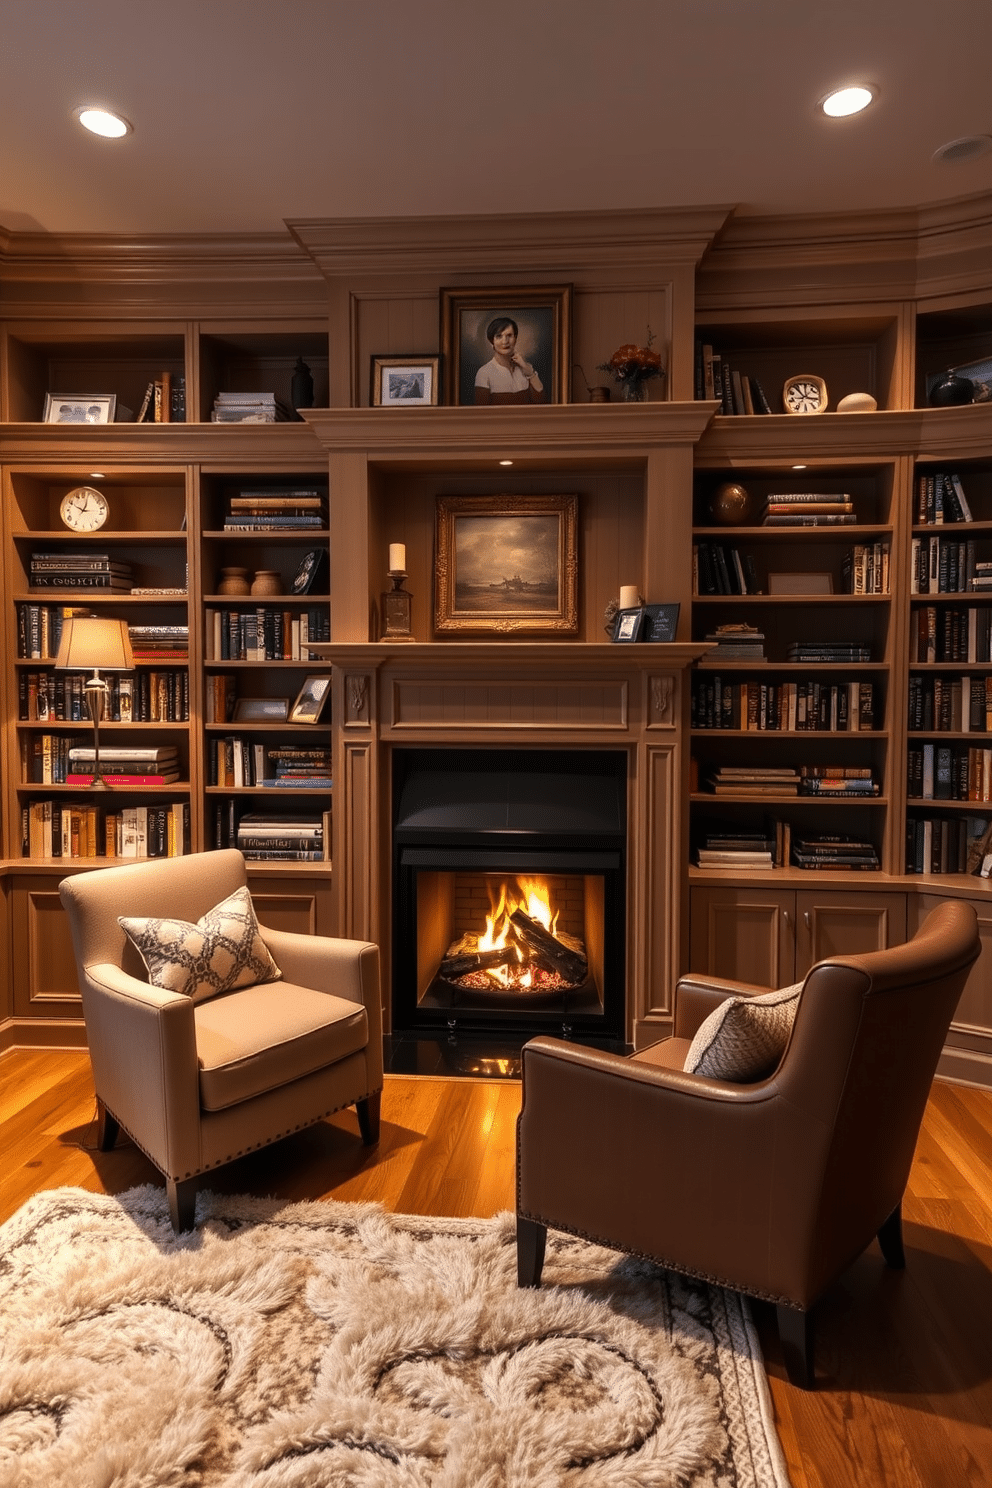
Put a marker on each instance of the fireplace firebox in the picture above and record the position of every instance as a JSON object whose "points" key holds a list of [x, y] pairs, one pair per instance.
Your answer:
{"points": [[509, 879]]}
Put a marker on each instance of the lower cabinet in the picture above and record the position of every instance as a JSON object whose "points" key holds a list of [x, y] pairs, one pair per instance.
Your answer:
{"points": [[772, 937], [968, 1049]]}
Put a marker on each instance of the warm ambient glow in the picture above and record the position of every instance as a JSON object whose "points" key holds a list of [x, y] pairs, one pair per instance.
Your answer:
{"points": [[846, 101], [506, 462], [103, 122]]}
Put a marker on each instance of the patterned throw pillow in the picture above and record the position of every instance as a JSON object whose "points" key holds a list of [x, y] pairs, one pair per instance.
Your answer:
{"points": [[744, 1038], [221, 951]]}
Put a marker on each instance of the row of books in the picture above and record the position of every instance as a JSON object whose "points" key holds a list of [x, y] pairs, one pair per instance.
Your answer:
{"points": [[777, 846], [136, 697], [265, 633], [739, 392], [940, 498], [721, 568], [164, 401], [39, 631], [236, 762], [949, 844], [250, 408], [941, 772], [64, 759], [865, 568], [950, 633], [808, 509], [834, 707], [277, 509], [783, 780], [80, 570], [302, 838], [826, 653], [69, 829], [957, 705], [948, 565]]}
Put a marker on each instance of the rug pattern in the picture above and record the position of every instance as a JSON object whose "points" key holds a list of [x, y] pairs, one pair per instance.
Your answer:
{"points": [[320, 1345]]}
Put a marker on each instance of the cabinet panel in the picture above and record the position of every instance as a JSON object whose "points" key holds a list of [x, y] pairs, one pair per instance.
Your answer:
{"points": [[845, 924], [968, 1050], [744, 934], [296, 907], [45, 984]]}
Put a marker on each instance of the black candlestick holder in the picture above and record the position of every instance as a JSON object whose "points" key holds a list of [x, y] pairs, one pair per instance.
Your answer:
{"points": [[396, 609]]}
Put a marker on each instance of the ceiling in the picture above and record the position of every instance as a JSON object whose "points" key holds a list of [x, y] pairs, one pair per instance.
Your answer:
{"points": [[248, 114]]}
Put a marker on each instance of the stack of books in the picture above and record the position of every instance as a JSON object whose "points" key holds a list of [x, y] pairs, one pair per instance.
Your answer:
{"points": [[837, 780], [837, 853], [827, 652], [941, 498], [284, 838], [283, 510], [249, 408], [755, 780], [735, 643], [164, 401], [808, 509], [300, 768], [79, 571], [738, 850], [155, 642], [125, 764]]}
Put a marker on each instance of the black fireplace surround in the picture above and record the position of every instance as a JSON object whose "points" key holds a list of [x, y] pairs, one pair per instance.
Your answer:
{"points": [[464, 820]]}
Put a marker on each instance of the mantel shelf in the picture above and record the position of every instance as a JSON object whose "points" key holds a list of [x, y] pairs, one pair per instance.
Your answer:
{"points": [[488, 657]]}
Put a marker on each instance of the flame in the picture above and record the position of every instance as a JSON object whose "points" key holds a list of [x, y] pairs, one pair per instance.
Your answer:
{"points": [[533, 896]]}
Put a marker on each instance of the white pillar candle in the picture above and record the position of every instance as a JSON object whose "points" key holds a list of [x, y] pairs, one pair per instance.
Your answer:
{"points": [[629, 596], [397, 557]]}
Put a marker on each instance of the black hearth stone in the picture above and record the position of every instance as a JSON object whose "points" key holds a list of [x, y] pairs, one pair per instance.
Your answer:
{"points": [[492, 1057]]}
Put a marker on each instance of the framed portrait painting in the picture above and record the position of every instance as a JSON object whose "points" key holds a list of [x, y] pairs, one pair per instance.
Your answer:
{"points": [[506, 564], [506, 346]]}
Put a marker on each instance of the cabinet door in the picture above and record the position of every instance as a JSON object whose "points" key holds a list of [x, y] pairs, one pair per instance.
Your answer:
{"points": [[845, 923], [745, 934], [967, 1052]]}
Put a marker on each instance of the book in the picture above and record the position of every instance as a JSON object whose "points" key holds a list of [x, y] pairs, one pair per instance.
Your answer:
{"points": [[118, 779]]}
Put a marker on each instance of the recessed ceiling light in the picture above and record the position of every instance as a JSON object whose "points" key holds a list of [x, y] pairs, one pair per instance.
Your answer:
{"points": [[846, 101], [965, 148], [97, 475], [101, 121], [506, 462], [799, 467]]}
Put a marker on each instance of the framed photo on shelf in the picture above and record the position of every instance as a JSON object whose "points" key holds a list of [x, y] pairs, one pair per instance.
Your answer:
{"points": [[506, 565], [628, 625], [80, 408], [310, 700], [405, 381], [661, 621], [261, 710], [312, 569], [506, 346]]}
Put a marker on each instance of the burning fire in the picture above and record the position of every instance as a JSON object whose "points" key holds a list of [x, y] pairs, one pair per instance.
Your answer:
{"points": [[534, 898], [521, 948]]}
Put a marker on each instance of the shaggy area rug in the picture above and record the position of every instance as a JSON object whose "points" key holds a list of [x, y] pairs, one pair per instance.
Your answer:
{"points": [[324, 1344]]}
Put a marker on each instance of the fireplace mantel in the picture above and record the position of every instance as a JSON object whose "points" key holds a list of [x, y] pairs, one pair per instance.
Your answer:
{"points": [[517, 694]]}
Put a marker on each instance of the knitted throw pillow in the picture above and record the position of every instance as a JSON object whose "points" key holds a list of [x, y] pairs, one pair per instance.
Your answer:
{"points": [[744, 1038], [223, 950]]}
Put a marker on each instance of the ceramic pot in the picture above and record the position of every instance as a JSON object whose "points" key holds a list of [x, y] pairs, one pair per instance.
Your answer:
{"points": [[599, 395], [951, 391], [266, 581], [233, 581]]}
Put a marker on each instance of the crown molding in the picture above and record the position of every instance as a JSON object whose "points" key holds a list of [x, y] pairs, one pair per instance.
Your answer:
{"points": [[97, 257]]}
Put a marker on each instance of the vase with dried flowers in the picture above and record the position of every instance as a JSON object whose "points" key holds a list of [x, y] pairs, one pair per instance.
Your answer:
{"points": [[632, 368]]}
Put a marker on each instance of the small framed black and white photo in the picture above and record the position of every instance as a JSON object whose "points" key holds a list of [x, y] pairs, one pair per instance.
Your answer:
{"points": [[661, 621], [628, 625], [405, 381], [80, 408], [310, 700]]}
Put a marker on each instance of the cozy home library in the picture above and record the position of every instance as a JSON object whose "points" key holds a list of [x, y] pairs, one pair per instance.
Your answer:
{"points": [[259, 460]]}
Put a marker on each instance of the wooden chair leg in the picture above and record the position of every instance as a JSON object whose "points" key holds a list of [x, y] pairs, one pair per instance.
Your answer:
{"points": [[182, 1203], [890, 1240], [531, 1241], [107, 1127], [368, 1117], [795, 1329]]}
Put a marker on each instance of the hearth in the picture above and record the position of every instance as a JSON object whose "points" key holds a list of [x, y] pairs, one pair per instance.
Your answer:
{"points": [[509, 874]]}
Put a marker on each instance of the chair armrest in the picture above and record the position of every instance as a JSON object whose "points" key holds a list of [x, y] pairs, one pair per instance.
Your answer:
{"points": [[348, 968], [697, 996]]}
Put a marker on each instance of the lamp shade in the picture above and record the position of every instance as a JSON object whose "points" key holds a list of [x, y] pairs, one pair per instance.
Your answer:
{"points": [[93, 642]]}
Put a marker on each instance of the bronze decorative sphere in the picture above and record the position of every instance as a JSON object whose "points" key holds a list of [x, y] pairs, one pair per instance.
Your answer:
{"points": [[730, 505]]}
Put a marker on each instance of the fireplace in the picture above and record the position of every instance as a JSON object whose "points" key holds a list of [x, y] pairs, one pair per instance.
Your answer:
{"points": [[509, 882]]}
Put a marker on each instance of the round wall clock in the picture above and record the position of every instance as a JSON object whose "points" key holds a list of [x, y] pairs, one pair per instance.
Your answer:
{"points": [[84, 509], [804, 393]]}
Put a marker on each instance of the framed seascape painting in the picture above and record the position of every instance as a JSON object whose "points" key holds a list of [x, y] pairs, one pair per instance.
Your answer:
{"points": [[405, 381], [506, 564], [506, 346]]}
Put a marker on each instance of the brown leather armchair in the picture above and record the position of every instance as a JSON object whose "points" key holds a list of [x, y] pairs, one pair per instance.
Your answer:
{"points": [[196, 1084], [771, 1188]]}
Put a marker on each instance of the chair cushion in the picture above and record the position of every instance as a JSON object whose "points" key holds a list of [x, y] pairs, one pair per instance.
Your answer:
{"points": [[744, 1038], [264, 1036], [221, 951]]}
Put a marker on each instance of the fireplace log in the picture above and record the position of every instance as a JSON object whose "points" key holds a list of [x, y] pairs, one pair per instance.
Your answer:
{"points": [[459, 963], [547, 951]]}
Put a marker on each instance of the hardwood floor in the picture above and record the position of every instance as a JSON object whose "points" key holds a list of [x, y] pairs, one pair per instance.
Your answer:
{"points": [[904, 1387]]}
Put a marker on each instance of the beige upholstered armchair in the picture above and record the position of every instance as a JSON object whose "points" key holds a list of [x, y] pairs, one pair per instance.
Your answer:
{"points": [[772, 1183], [250, 1033]]}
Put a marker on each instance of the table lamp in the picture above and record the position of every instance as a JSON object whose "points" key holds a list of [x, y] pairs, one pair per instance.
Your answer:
{"points": [[103, 645]]}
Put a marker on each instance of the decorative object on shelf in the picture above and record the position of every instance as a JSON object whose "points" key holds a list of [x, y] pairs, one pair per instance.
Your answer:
{"points": [[506, 346], [396, 604], [731, 504], [95, 643], [633, 367], [804, 393], [598, 394], [261, 710], [310, 572], [301, 386], [630, 597], [661, 621], [506, 565], [310, 700], [628, 625], [84, 509], [951, 391], [80, 408], [857, 403], [234, 581], [266, 581], [410, 381]]}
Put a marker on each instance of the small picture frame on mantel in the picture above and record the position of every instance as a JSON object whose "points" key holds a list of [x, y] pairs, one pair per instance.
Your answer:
{"points": [[661, 621], [628, 626]]}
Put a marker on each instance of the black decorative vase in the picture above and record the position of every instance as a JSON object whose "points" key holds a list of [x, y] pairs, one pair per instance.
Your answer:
{"points": [[951, 391], [301, 389]]}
